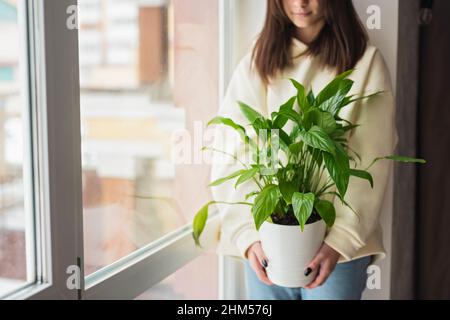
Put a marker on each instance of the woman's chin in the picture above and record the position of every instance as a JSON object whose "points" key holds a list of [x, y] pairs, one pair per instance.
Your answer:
{"points": [[301, 22], [306, 22]]}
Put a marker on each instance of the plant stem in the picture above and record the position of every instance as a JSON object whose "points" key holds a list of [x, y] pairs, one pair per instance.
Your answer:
{"points": [[227, 154]]}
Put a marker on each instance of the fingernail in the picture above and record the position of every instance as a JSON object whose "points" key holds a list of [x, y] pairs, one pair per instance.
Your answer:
{"points": [[308, 272], [264, 263]]}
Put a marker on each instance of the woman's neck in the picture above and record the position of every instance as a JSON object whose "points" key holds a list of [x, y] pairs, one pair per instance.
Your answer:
{"points": [[308, 34]]}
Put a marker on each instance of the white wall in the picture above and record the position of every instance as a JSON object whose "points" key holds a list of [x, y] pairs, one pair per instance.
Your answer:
{"points": [[386, 39], [249, 18]]}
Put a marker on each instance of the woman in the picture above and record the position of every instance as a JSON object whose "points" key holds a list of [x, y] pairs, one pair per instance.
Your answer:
{"points": [[312, 41]]}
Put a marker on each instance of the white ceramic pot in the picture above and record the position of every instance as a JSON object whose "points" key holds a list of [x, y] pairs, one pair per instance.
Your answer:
{"points": [[289, 251]]}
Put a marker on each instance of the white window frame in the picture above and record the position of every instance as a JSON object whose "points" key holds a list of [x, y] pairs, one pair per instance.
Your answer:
{"points": [[230, 269], [54, 104], [28, 179]]}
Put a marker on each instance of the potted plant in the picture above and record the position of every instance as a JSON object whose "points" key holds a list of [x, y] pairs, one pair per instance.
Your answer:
{"points": [[295, 172]]}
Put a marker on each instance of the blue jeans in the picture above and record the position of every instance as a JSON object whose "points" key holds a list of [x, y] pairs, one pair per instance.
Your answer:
{"points": [[346, 282]]}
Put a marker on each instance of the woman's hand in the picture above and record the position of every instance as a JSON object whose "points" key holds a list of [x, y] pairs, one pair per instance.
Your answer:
{"points": [[325, 261], [258, 261]]}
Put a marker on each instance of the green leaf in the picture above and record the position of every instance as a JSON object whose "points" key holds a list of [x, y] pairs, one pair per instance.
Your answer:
{"points": [[345, 87], [287, 188], [198, 225], [301, 96], [295, 132], [250, 113], [350, 127], [280, 120], [230, 123], [295, 148], [335, 103], [309, 119], [303, 206], [292, 115], [260, 124], [341, 130], [311, 99], [284, 137], [246, 175], [351, 99], [363, 175], [317, 138], [324, 120], [297, 84], [338, 167], [265, 204], [225, 179], [406, 159], [327, 211], [332, 105], [332, 88], [251, 194], [318, 157], [273, 115], [257, 121], [398, 158]]}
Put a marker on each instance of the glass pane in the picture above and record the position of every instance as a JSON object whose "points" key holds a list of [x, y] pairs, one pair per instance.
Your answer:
{"points": [[188, 283], [148, 70], [14, 215]]}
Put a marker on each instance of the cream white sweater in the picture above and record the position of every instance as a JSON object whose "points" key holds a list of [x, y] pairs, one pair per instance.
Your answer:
{"points": [[351, 236]]}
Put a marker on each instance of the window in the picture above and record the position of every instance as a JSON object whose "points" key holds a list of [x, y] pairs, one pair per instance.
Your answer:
{"points": [[148, 70], [188, 283], [16, 230]]}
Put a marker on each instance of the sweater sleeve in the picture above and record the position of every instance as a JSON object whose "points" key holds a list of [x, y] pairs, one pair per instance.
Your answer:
{"points": [[237, 224], [377, 136]]}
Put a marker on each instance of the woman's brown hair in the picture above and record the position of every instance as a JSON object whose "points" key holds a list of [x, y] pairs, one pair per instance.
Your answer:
{"points": [[339, 45]]}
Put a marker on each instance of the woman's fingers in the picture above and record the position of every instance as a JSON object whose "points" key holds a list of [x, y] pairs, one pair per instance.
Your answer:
{"points": [[259, 252], [322, 276], [324, 262], [317, 265], [259, 270], [259, 262], [313, 265]]}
